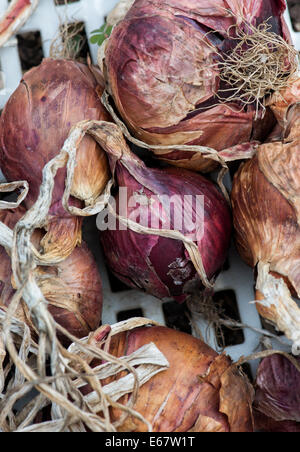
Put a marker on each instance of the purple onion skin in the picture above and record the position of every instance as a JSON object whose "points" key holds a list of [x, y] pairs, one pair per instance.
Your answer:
{"points": [[157, 60], [277, 399], [162, 266], [37, 120]]}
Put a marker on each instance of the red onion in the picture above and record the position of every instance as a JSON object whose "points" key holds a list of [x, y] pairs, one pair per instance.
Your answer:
{"points": [[34, 125], [164, 64], [277, 399], [162, 266], [73, 288], [200, 392]]}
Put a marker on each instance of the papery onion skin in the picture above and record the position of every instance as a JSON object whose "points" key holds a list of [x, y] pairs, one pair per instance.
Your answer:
{"points": [[73, 288], [161, 266], [34, 125], [200, 392], [159, 70], [277, 400], [266, 221]]}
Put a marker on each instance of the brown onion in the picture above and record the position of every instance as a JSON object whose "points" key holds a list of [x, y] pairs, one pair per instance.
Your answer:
{"points": [[163, 62], [34, 125], [200, 392], [277, 395], [266, 208], [73, 288]]}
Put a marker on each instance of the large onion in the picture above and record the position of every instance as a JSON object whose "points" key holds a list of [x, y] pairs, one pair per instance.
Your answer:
{"points": [[163, 264], [34, 125], [266, 203], [200, 392], [164, 64], [277, 398], [73, 288]]}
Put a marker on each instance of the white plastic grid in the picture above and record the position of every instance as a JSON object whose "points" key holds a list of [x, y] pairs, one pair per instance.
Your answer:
{"points": [[238, 277]]}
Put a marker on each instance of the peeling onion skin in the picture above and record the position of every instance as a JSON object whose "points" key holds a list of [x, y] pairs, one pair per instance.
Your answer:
{"points": [[266, 221], [34, 125], [200, 392], [161, 266], [72, 288], [277, 400], [158, 68]]}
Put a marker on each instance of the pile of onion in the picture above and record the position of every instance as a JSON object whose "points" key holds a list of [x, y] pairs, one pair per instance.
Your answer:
{"points": [[277, 395], [187, 246], [34, 125], [266, 203], [201, 391], [198, 73], [72, 288]]}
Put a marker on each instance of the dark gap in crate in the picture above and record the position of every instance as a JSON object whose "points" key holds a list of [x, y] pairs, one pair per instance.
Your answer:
{"points": [[246, 368], [294, 9], [270, 327], [177, 316], [63, 2], [233, 168], [129, 314], [77, 40], [226, 303], [10, 197], [226, 265], [30, 49], [115, 284]]}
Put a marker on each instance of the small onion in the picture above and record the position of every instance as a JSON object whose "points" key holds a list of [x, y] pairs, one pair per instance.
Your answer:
{"points": [[160, 265], [73, 288], [200, 392], [34, 125], [277, 396], [163, 66]]}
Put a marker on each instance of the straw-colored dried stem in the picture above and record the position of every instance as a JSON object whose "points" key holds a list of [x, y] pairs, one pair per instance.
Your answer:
{"points": [[69, 408]]}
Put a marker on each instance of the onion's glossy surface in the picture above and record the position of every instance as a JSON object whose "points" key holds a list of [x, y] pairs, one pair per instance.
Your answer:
{"points": [[159, 265]]}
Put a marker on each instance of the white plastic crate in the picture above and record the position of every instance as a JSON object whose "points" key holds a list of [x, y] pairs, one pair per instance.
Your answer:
{"points": [[238, 277]]}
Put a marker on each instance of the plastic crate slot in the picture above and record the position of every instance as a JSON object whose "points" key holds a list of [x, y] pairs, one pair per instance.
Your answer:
{"points": [[129, 314], [64, 2], [226, 303], [246, 368], [116, 284], [177, 316], [226, 266], [30, 49], [268, 326], [78, 39]]}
